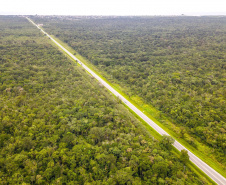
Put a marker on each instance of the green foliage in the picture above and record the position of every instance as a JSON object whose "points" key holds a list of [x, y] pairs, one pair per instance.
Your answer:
{"points": [[59, 127], [167, 142], [184, 157], [176, 64]]}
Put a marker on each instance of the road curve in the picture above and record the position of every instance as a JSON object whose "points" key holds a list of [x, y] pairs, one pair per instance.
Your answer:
{"points": [[215, 176]]}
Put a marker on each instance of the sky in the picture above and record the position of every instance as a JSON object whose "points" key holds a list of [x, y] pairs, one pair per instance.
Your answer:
{"points": [[113, 7]]}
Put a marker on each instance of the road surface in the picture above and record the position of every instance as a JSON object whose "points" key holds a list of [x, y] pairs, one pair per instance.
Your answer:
{"points": [[215, 176]]}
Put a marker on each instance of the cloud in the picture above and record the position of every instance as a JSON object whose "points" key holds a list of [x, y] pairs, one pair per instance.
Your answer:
{"points": [[112, 7]]}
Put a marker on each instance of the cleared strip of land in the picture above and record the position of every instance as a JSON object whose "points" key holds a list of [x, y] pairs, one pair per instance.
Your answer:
{"points": [[215, 176]]}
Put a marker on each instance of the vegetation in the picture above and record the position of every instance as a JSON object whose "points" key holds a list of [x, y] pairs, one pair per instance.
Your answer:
{"points": [[59, 126], [176, 64]]}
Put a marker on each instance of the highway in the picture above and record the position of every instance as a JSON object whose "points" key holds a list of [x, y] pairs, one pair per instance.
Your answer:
{"points": [[215, 176]]}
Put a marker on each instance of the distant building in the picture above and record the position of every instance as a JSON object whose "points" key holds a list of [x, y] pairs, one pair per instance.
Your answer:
{"points": [[40, 24]]}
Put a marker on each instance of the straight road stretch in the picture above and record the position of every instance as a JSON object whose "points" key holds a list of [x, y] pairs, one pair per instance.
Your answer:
{"points": [[215, 176]]}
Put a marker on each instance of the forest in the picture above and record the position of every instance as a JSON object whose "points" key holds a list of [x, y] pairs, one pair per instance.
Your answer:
{"points": [[58, 125], [175, 64]]}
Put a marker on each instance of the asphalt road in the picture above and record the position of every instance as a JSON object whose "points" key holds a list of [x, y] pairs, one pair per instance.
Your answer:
{"points": [[215, 176]]}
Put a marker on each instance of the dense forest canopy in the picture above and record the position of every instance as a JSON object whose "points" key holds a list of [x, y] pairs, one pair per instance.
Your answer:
{"points": [[59, 126], [176, 64]]}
